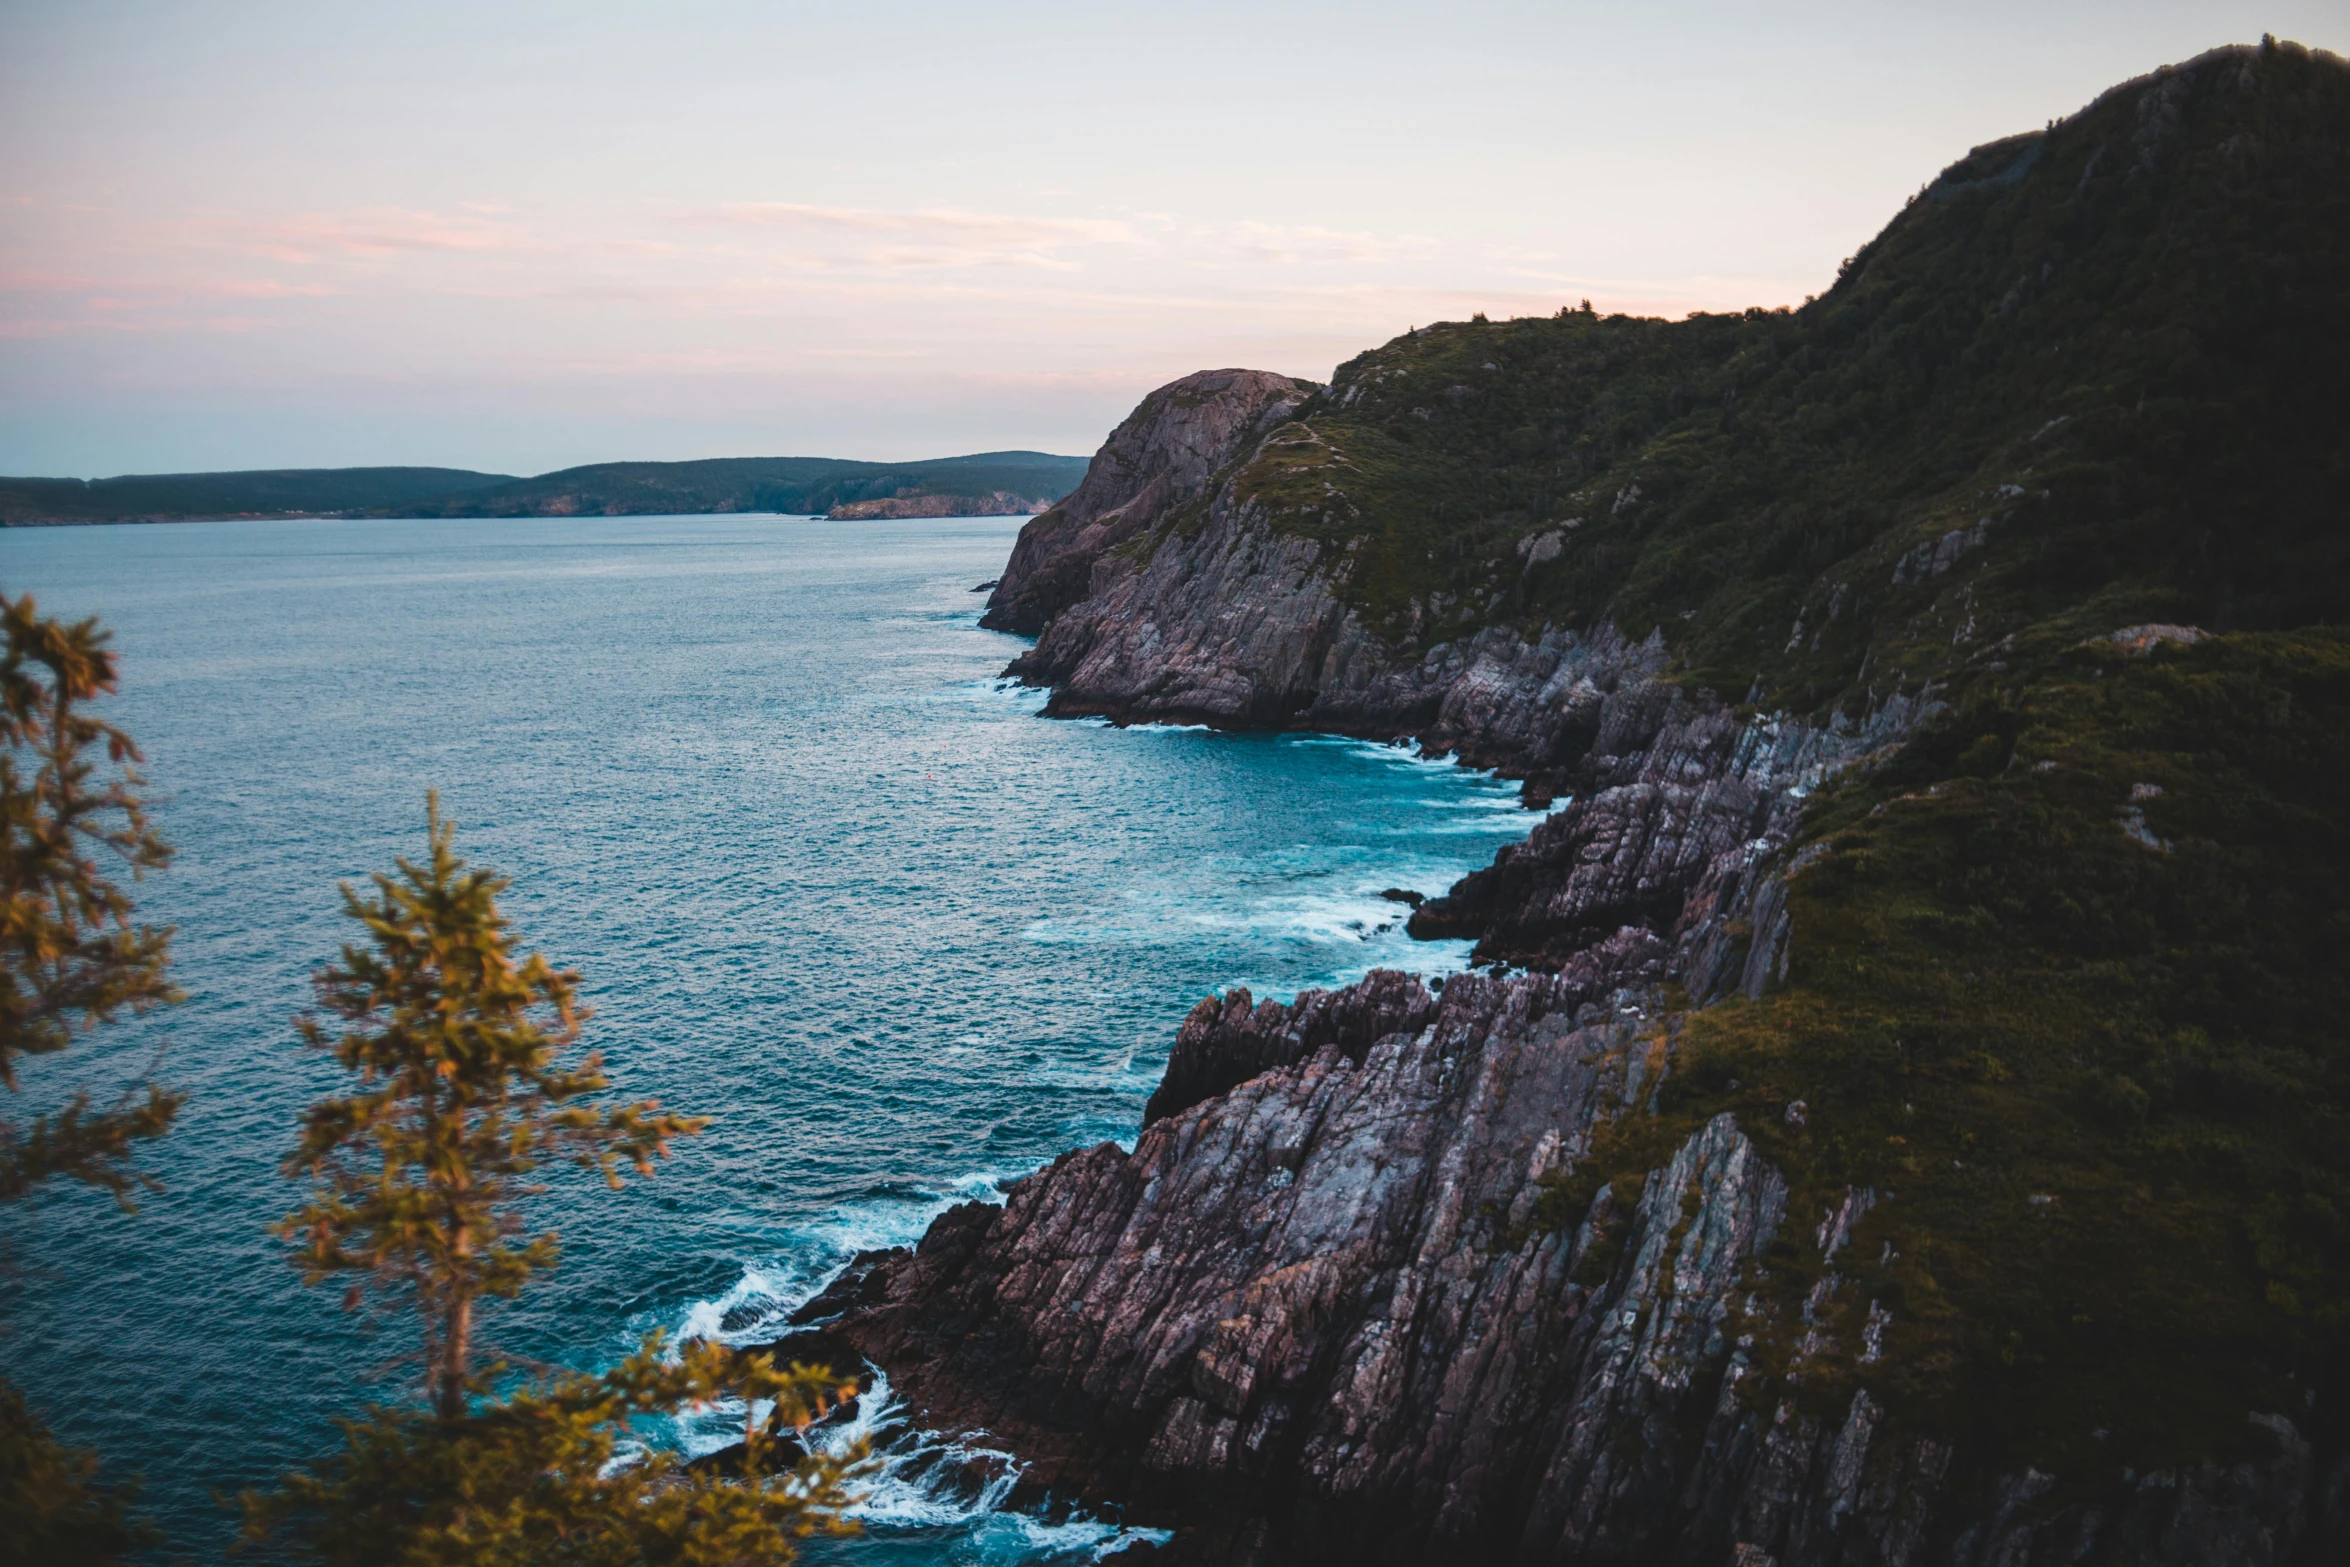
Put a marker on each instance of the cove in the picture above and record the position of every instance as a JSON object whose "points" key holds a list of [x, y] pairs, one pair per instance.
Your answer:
{"points": [[827, 878]]}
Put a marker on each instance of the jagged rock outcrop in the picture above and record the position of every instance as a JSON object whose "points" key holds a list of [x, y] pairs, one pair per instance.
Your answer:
{"points": [[1235, 623], [1320, 1317], [1163, 455], [1681, 810], [1321, 1313]]}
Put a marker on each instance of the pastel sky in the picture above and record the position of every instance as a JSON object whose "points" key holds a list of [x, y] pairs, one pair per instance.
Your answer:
{"points": [[520, 236]]}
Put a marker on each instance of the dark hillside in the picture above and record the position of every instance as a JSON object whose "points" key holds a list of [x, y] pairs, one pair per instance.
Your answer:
{"points": [[2066, 975], [2113, 358], [727, 484], [258, 493], [1946, 687]]}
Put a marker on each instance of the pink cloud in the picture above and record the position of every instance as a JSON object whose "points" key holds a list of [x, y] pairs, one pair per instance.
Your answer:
{"points": [[988, 229], [373, 232], [928, 239], [1291, 244]]}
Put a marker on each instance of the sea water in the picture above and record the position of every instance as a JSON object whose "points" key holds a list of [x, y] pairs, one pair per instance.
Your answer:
{"points": [[827, 879]]}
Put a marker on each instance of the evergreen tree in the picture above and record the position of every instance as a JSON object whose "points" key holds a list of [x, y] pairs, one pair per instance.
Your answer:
{"points": [[70, 958], [540, 1478], [70, 955], [53, 1509], [455, 1043]]}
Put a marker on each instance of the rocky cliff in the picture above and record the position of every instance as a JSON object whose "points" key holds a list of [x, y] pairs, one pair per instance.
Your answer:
{"points": [[1324, 1316], [1915, 1131], [1162, 457]]}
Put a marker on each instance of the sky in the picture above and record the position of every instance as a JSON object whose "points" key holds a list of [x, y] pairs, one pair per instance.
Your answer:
{"points": [[517, 237]]}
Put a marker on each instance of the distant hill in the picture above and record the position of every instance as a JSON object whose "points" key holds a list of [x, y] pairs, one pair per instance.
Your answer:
{"points": [[158, 497], [730, 484], [784, 484]]}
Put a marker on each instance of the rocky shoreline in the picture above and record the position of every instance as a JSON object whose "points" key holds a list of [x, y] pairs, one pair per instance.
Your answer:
{"points": [[1322, 1312], [1307, 1315], [1378, 1282]]}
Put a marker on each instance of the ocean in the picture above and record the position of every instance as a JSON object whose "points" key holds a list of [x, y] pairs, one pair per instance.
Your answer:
{"points": [[827, 879]]}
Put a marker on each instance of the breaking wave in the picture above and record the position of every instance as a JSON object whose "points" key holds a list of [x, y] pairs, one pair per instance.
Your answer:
{"points": [[945, 1494]]}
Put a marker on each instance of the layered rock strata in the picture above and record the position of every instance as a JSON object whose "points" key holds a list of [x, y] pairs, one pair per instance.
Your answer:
{"points": [[1161, 457], [1322, 1316], [1230, 622]]}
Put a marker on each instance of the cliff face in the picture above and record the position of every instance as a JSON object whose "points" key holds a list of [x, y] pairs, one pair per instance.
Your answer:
{"points": [[1343, 1303], [1920, 1137], [1163, 456], [1323, 1317]]}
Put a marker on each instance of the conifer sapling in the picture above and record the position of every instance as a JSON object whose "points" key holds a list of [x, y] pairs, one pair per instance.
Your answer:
{"points": [[462, 1096], [70, 955]]}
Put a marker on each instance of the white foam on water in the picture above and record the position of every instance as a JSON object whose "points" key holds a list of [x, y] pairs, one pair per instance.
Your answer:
{"points": [[1116, 1073], [1395, 753], [1343, 920], [922, 1480], [754, 1308], [1428, 959], [1020, 1537], [1000, 693], [1475, 829], [925, 1481]]}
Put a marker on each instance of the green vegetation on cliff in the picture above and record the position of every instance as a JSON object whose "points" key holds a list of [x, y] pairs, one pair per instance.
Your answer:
{"points": [[2066, 984], [2109, 357], [2066, 992]]}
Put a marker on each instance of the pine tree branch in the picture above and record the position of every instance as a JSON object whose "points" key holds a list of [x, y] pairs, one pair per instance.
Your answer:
{"points": [[81, 1145]]}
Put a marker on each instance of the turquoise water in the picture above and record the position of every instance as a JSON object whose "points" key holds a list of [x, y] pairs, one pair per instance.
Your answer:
{"points": [[827, 879]]}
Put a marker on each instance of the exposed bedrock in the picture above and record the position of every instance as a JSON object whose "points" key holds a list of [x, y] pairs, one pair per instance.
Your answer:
{"points": [[1679, 812], [1677, 799], [1165, 454], [1215, 616], [1321, 1317], [1226, 620]]}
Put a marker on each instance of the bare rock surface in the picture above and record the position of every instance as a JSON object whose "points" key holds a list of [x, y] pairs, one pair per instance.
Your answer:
{"points": [[1318, 1318], [1162, 456], [996, 503]]}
